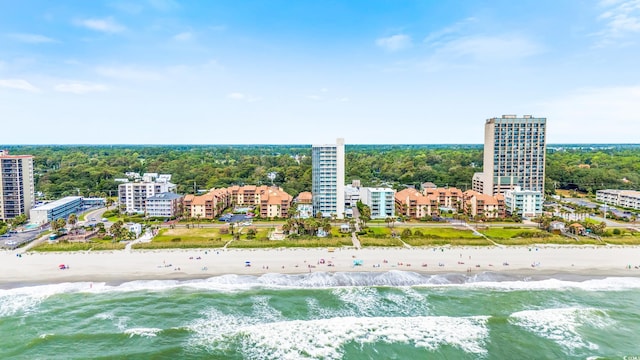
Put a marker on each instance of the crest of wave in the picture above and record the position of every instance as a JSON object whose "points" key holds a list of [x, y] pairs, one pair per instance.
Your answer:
{"points": [[562, 325], [325, 338]]}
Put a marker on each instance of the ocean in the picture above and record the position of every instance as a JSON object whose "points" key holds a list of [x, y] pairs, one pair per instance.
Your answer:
{"points": [[392, 315]]}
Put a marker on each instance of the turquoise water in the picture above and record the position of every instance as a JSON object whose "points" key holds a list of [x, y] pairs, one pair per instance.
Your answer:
{"points": [[394, 315]]}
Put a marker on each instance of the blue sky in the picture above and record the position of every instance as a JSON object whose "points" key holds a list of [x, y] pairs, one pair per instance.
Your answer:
{"points": [[245, 72]]}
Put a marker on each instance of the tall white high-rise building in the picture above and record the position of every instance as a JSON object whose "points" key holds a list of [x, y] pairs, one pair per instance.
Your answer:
{"points": [[328, 179], [17, 194], [514, 155]]}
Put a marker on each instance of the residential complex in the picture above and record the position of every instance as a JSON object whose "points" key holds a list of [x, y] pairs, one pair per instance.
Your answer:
{"points": [[417, 204], [166, 205], [274, 203], [623, 198], [59, 209], [207, 206], [514, 155], [327, 179], [525, 203], [17, 194], [271, 201], [133, 195], [482, 205], [381, 201]]}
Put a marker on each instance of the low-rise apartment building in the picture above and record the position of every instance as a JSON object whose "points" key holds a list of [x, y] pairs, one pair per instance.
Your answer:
{"points": [[207, 206], [623, 198], [274, 202], [481, 205], [414, 204], [447, 197], [59, 209], [525, 203], [166, 205]]}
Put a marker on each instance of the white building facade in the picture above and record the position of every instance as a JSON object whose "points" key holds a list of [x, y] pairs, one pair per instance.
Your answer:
{"points": [[133, 195], [525, 203], [328, 179], [514, 155], [166, 205], [623, 198], [381, 201]]}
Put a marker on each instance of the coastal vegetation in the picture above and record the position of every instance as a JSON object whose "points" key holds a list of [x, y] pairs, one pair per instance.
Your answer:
{"points": [[92, 170]]}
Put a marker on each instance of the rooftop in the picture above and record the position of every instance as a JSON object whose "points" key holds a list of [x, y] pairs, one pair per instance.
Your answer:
{"points": [[60, 202]]}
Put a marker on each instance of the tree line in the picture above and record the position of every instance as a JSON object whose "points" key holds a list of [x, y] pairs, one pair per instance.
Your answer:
{"points": [[92, 170]]}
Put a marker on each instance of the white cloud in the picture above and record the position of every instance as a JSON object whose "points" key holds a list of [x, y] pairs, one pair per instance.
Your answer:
{"points": [[394, 42], [324, 90], [501, 47], [108, 25], [314, 97], [621, 20], [183, 36], [236, 96], [80, 87], [445, 34], [31, 38], [607, 114], [18, 84], [128, 73], [343, 99], [473, 50]]}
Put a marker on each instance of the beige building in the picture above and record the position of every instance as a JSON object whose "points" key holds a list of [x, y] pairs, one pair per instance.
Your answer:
{"points": [[274, 202], [413, 204], [17, 191], [207, 206], [481, 205], [514, 155]]}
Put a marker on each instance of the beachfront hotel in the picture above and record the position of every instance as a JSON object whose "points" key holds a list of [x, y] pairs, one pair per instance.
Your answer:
{"points": [[514, 155], [17, 194], [327, 179]]}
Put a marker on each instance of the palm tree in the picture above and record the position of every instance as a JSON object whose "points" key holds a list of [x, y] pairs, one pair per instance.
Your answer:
{"points": [[73, 219], [61, 223]]}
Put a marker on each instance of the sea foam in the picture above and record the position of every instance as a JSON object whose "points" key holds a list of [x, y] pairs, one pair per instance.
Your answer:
{"points": [[562, 325], [25, 299], [325, 338]]}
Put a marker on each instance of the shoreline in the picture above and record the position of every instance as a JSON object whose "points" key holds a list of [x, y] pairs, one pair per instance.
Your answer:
{"points": [[588, 261]]}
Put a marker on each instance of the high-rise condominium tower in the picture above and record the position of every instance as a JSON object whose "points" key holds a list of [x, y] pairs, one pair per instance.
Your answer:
{"points": [[514, 155], [17, 193], [328, 179]]}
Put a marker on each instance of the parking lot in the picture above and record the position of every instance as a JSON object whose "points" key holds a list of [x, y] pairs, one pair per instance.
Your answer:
{"points": [[14, 240]]}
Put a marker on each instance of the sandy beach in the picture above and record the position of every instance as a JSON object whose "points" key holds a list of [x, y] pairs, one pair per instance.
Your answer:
{"points": [[118, 266]]}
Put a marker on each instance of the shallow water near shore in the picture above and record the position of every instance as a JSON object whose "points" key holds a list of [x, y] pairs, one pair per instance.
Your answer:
{"points": [[389, 315]]}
